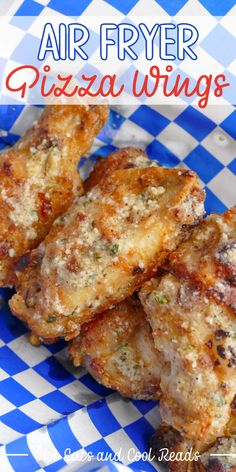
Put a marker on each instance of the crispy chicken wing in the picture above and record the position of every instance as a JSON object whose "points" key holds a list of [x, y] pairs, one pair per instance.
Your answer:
{"points": [[192, 314], [117, 349], [108, 243], [39, 179], [124, 158]]}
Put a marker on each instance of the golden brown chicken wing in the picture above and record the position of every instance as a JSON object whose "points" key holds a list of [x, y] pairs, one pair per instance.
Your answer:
{"points": [[109, 242], [39, 179], [192, 314], [124, 158], [117, 349]]}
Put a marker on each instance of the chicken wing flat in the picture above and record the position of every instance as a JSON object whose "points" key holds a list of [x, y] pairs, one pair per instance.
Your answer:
{"points": [[109, 242], [39, 179], [124, 158], [192, 314], [117, 349]]}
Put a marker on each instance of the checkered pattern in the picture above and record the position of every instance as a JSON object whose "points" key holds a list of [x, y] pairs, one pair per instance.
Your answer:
{"points": [[39, 386], [215, 46], [105, 425]]}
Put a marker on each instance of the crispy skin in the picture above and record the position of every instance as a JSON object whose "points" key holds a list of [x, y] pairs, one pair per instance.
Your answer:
{"points": [[166, 441], [110, 241], [198, 457], [125, 158], [209, 257], [194, 328], [117, 349], [223, 445], [39, 179]]}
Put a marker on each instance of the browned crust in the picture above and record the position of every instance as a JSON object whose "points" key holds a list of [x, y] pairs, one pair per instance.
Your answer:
{"points": [[121, 159], [118, 350], [208, 267], [168, 439], [39, 178], [169, 220], [194, 328]]}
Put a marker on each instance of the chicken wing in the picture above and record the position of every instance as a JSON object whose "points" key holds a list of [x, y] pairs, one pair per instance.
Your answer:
{"points": [[124, 158], [117, 349], [39, 179], [109, 242], [192, 314]]}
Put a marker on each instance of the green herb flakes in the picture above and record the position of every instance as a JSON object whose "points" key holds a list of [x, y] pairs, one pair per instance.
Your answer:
{"points": [[115, 249], [51, 319], [96, 256], [160, 297]]}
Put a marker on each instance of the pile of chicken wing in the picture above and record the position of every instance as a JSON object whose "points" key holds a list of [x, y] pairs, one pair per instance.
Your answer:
{"points": [[124, 267]]}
